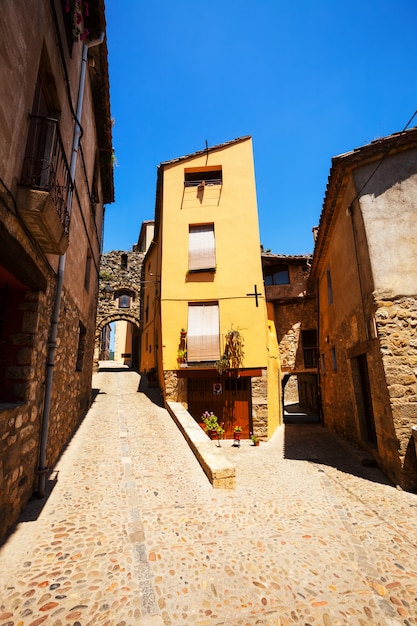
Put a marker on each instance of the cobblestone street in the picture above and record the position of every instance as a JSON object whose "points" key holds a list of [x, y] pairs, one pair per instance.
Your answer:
{"points": [[132, 533]]}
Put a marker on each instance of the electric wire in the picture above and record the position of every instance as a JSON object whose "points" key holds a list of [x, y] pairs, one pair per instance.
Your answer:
{"points": [[390, 148]]}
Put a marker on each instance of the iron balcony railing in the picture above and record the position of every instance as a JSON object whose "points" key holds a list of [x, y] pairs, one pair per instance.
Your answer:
{"points": [[203, 183], [45, 167]]}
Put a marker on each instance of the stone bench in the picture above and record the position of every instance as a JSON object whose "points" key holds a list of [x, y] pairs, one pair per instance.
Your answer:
{"points": [[220, 472]]}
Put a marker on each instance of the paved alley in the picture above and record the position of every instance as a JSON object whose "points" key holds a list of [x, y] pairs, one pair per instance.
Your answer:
{"points": [[133, 534]]}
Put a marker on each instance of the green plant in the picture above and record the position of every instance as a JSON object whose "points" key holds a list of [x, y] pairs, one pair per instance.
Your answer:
{"points": [[211, 422], [238, 429], [105, 275], [233, 352], [222, 365], [182, 355], [254, 439]]}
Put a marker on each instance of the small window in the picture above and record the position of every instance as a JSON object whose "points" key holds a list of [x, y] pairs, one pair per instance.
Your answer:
{"points": [[87, 271], [95, 194], [124, 301], [323, 365], [123, 262], [147, 309], [277, 275], [334, 361], [82, 332], [329, 287], [194, 177]]}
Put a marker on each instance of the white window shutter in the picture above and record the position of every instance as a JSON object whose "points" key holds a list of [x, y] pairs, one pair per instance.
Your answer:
{"points": [[203, 337], [201, 247]]}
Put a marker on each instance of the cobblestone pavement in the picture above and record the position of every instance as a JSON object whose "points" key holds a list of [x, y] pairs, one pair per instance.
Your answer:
{"points": [[132, 533]]}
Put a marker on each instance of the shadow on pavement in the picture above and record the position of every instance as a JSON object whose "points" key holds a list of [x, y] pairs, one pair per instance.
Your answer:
{"points": [[120, 368], [315, 443], [33, 507], [154, 393], [294, 414]]}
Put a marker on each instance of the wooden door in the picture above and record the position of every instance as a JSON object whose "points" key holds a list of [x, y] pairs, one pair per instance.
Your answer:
{"points": [[228, 398]]}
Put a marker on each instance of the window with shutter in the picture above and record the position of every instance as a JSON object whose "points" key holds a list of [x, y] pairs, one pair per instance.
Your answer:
{"points": [[201, 248], [203, 337]]}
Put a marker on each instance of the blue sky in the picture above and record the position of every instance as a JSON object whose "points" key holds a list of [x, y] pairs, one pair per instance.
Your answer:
{"points": [[306, 79]]}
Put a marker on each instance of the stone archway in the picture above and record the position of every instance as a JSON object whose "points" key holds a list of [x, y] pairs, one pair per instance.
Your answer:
{"points": [[119, 294]]}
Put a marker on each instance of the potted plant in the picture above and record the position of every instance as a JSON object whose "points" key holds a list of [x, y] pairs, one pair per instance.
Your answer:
{"points": [[211, 425], [182, 355], [255, 440], [237, 432], [222, 365], [183, 333]]}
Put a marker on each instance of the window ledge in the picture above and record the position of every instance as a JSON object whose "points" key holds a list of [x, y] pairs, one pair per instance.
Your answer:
{"points": [[211, 270]]}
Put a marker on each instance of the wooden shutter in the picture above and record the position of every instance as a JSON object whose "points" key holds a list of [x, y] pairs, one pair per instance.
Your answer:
{"points": [[203, 340], [201, 247]]}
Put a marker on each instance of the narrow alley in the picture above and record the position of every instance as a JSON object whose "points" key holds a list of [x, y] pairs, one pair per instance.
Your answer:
{"points": [[132, 533]]}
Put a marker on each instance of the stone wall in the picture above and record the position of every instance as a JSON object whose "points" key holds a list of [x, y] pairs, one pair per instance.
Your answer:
{"points": [[397, 331], [259, 392], [290, 319], [119, 271], [20, 420], [175, 388]]}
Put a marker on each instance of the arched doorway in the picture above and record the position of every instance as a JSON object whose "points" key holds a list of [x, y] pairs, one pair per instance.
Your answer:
{"points": [[129, 355], [300, 397]]}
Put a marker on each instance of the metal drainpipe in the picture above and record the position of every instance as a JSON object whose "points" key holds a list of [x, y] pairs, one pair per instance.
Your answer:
{"points": [[50, 361]]}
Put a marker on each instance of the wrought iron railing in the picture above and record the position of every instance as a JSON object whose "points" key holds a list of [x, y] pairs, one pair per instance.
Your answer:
{"points": [[45, 166], [206, 183]]}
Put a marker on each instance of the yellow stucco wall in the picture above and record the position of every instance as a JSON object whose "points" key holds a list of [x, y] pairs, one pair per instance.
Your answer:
{"points": [[232, 208], [275, 412]]}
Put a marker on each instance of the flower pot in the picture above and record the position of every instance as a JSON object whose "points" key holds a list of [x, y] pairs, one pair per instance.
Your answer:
{"points": [[212, 434], [256, 443], [237, 436]]}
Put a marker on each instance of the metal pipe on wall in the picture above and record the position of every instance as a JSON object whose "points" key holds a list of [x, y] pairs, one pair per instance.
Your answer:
{"points": [[50, 361]]}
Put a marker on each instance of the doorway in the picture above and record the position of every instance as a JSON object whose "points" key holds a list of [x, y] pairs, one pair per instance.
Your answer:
{"points": [[362, 388], [228, 398]]}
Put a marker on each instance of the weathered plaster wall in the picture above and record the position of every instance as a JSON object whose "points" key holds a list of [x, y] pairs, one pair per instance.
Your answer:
{"points": [[390, 217]]}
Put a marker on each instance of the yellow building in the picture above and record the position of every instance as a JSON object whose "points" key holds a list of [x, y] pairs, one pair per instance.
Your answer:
{"points": [[203, 284]]}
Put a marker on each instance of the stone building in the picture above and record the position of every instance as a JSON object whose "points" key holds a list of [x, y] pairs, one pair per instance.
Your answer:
{"points": [[55, 177], [293, 308], [119, 300], [365, 269]]}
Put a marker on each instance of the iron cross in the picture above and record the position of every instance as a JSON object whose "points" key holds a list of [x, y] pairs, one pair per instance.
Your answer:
{"points": [[255, 294]]}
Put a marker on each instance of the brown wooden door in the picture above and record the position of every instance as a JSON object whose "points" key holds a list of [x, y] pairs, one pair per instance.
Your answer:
{"points": [[228, 398]]}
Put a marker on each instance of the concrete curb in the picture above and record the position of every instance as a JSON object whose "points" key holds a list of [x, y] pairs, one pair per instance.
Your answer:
{"points": [[220, 472]]}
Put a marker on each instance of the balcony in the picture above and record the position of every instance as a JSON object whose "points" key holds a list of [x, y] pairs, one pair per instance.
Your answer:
{"points": [[44, 186]]}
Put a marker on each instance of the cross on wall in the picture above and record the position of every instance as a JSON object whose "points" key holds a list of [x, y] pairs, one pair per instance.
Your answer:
{"points": [[256, 294]]}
